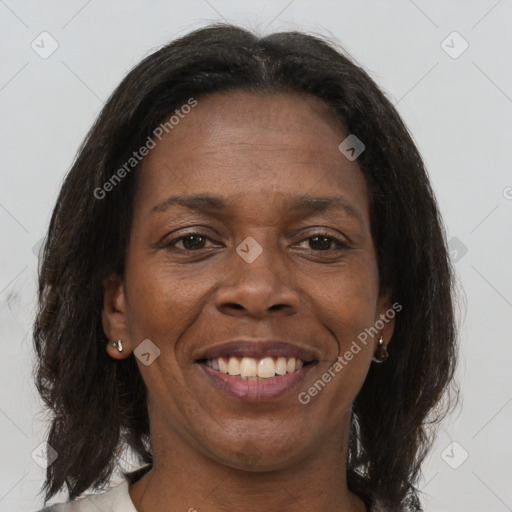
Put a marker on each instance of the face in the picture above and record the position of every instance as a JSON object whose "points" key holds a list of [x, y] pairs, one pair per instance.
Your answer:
{"points": [[275, 260]]}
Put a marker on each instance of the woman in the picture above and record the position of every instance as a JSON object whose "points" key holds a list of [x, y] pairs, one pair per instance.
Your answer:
{"points": [[247, 229]]}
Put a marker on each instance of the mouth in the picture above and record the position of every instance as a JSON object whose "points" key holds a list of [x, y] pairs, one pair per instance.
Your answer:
{"points": [[256, 370]]}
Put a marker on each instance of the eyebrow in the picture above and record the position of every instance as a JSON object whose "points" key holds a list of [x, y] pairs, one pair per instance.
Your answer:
{"points": [[300, 203]]}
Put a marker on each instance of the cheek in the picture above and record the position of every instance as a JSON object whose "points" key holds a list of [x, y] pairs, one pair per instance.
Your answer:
{"points": [[345, 306], [161, 303], [346, 302], [160, 308]]}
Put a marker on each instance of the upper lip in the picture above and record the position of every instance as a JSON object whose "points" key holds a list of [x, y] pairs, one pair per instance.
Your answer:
{"points": [[257, 349]]}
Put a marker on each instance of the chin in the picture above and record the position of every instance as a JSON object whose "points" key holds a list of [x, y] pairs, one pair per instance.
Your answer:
{"points": [[258, 453]]}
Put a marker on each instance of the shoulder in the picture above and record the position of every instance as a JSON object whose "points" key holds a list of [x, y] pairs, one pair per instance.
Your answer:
{"points": [[116, 499]]}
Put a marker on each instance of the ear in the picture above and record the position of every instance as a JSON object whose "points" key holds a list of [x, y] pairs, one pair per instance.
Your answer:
{"points": [[385, 317], [114, 317]]}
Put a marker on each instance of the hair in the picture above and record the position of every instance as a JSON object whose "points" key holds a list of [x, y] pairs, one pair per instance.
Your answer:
{"points": [[98, 404]]}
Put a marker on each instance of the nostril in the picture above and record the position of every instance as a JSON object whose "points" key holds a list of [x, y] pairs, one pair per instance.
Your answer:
{"points": [[234, 305]]}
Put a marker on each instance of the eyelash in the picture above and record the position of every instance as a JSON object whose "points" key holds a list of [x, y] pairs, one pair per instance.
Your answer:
{"points": [[340, 245]]}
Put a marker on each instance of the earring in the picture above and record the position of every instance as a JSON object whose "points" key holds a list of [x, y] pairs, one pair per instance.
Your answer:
{"points": [[381, 353], [118, 344]]}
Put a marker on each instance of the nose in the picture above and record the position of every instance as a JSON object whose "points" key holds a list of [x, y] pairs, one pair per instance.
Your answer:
{"points": [[263, 287]]}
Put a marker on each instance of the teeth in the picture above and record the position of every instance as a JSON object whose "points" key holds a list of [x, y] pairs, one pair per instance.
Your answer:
{"points": [[223, 366], [281, 365], [266, 368], [233, 366], [249, 368]]}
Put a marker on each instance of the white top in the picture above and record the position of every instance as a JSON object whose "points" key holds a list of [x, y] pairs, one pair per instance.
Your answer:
{"points": [[116, 499]]}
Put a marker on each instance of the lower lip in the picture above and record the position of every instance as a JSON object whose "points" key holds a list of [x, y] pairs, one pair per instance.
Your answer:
{"points": [[256, 390]]}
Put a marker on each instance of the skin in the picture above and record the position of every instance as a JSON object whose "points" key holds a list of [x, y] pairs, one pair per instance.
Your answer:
{"points": [[212, 451]]}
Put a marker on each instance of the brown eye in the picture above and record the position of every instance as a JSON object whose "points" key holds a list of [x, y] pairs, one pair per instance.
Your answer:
{"points": [[324, 242], [193, 242], [190, 242]]}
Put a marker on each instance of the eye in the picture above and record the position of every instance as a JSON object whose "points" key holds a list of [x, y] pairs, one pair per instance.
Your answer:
{"points": [[322, 241], [190, 242]]}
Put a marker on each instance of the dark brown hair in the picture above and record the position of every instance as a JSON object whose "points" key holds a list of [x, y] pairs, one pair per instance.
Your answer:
{"points": [[98, 403]]}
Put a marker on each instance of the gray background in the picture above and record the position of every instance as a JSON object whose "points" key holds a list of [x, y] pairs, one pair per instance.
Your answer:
{"points": [[458, 110]]}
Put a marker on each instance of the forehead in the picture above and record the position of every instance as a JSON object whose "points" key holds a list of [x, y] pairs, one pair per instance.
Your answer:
{"points": [[252, 146], [256, 120]]}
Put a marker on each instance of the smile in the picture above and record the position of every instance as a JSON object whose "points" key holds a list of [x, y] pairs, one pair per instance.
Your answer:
{"points": [[256, 380]]}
